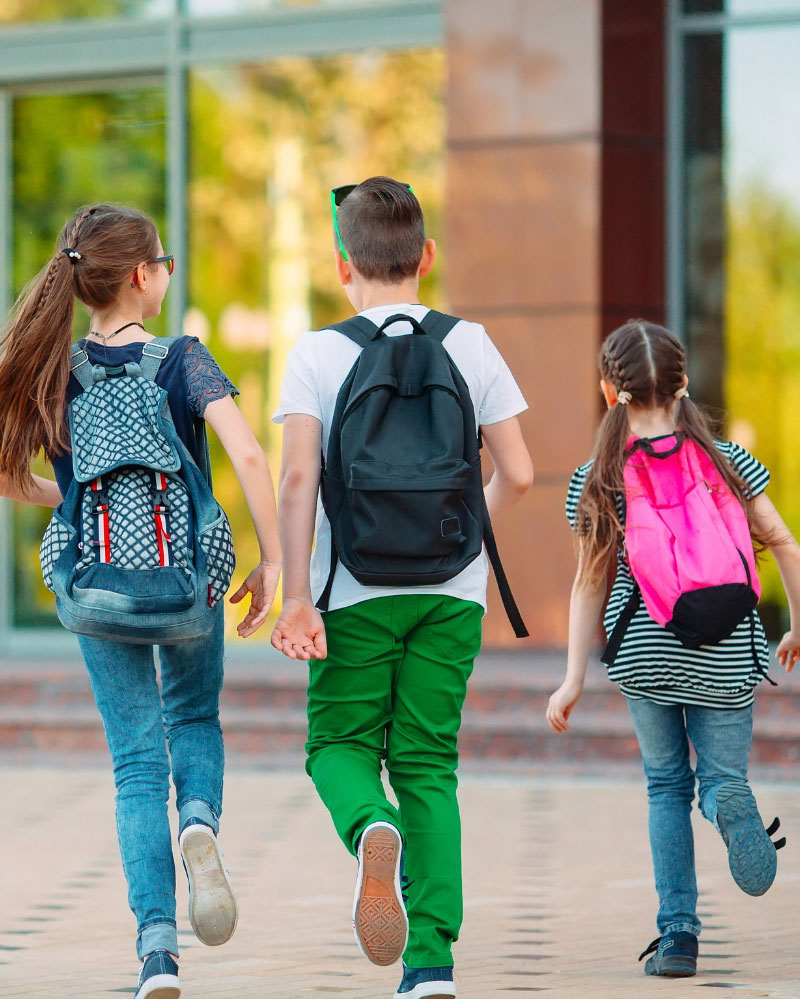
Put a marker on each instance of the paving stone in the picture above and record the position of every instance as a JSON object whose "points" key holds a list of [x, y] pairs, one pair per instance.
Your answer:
{"points": [[559, 898]]}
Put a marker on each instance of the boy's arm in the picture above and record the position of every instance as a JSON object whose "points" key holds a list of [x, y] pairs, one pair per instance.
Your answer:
{"points": [[513, 469], [299, 632], [45, 492], [585, 606], [781, 543], [252, 470]]}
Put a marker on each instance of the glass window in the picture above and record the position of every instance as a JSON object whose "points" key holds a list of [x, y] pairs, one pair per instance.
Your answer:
{"points": [[27, 11], [743, 245], [268, 142], [70, 150]]}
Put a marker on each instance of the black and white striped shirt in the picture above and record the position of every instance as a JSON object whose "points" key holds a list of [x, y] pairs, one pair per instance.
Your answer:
{"points": [[651, 662]]}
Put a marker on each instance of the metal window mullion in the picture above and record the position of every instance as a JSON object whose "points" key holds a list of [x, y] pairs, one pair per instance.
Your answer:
{"points": [[6, 284], [710, 24], [675, 207], [177, 172]]}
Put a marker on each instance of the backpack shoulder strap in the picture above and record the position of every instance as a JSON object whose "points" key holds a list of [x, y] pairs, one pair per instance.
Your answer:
{"points": [[358, 329], [79, 367], [153, 354], [510, 605], [437, 324]]}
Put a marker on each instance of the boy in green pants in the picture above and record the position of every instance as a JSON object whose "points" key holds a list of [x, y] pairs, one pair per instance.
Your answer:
{"points": [[388, 663]]}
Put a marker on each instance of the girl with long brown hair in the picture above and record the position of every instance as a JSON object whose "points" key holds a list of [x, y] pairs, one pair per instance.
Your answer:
{"points": [[111, 259], [678, 691]]}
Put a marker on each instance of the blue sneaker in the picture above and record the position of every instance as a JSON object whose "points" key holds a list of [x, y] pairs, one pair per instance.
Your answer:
{"points": [[419, 983], [213, 911], [158, 977], [675, 955], [751, 854]]}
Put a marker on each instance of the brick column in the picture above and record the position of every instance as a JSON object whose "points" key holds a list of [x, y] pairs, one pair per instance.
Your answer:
{"points": [[555, 234], [523, 243]]}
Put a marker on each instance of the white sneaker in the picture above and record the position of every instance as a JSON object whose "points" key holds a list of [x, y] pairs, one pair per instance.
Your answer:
{"points": [[380, 922], [213, 911]]}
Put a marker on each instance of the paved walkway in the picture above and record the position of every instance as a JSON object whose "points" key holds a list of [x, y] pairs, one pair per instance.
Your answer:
{"points": [[559, 900]]}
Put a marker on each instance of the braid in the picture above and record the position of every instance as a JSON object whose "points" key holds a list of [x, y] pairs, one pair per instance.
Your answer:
{"points": [[77, 225], [615, 369]]}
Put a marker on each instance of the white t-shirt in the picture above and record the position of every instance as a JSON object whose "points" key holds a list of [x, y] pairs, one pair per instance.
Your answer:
{"points": [[317, 366]]}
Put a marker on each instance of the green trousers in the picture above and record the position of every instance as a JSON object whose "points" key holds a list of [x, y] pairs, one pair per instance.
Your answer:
{"points": [[392, 687]]}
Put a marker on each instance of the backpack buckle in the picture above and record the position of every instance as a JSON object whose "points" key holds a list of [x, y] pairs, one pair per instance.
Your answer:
{"points": [[151, 350], [160, 502], [100, 505]]}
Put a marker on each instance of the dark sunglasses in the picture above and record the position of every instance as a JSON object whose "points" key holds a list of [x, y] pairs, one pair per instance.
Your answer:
{"points": [[168, 261], [338, 195]]}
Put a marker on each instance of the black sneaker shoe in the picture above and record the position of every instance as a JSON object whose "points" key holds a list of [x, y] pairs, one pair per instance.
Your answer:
{"points": [[418, 983], [158, 977], [213, 911], [751, 853], [675, 955]]}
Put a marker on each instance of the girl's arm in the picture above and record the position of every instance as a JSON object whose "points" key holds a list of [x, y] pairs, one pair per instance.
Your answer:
{"points": [[299, 631], [585, 606], [252, 470], [781, 543], [45, 492]]}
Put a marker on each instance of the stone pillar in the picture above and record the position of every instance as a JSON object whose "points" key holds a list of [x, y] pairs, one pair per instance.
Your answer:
{"points": [[554, 235]]}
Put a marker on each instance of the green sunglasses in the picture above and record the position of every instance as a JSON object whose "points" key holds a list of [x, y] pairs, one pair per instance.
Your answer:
{"points": [[338, 195]]}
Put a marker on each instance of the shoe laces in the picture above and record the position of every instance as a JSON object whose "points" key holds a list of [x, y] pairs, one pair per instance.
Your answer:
{"points": [[653, 946], [773, 828]]}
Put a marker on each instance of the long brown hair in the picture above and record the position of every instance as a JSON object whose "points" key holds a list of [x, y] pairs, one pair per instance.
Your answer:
{"points": [[109, 242], [648, 362]]}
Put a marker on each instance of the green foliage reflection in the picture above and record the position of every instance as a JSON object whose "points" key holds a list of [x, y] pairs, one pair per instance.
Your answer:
{"points": [[267, 143], [763, 345], [71, 150]]}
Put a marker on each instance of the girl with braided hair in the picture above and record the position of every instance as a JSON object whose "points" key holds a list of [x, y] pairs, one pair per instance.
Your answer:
{"points": [[111, 259], [678, 689]]}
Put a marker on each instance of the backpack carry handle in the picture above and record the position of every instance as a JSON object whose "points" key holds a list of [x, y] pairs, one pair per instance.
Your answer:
{"points": [[397, 318], [646, 445]]}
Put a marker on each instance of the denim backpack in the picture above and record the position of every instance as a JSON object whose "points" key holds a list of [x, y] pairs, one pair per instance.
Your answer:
{"points": [[402, 484], [139, 550], [688, 544]]}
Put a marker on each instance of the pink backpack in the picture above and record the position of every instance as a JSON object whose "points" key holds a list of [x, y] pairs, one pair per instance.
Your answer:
{"points": [[687, 541]]}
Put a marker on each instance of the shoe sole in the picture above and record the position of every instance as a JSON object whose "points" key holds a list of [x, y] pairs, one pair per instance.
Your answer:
{"points": [[379, 916], [676, 969], [213, 911], [160, 987], [444, 991], [751, 854]]}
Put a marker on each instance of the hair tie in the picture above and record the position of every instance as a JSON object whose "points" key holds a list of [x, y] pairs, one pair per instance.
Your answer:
{"points": [[683, 391], [624, 397], [72, 254]]}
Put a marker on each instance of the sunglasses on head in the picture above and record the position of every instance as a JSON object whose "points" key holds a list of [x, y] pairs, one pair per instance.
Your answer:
{"points": [[168, 261], [338, 195]]}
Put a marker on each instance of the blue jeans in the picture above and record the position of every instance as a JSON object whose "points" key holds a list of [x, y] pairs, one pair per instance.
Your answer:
{"points": [[136, 719], [721, 739]]}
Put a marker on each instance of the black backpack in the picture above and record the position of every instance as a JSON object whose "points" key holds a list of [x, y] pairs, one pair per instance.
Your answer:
{"points": [[402, 486]]}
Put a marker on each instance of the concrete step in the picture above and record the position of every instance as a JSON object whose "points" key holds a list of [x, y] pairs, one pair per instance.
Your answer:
{"points": [[48, 709]]}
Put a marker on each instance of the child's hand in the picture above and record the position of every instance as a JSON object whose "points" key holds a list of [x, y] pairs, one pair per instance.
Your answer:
{"points": [[561, 704], [262, 584], [789, 650], [299, 632]]}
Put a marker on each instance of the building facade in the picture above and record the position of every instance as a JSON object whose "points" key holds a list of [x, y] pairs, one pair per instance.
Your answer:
{"points": [[582, 161]]}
